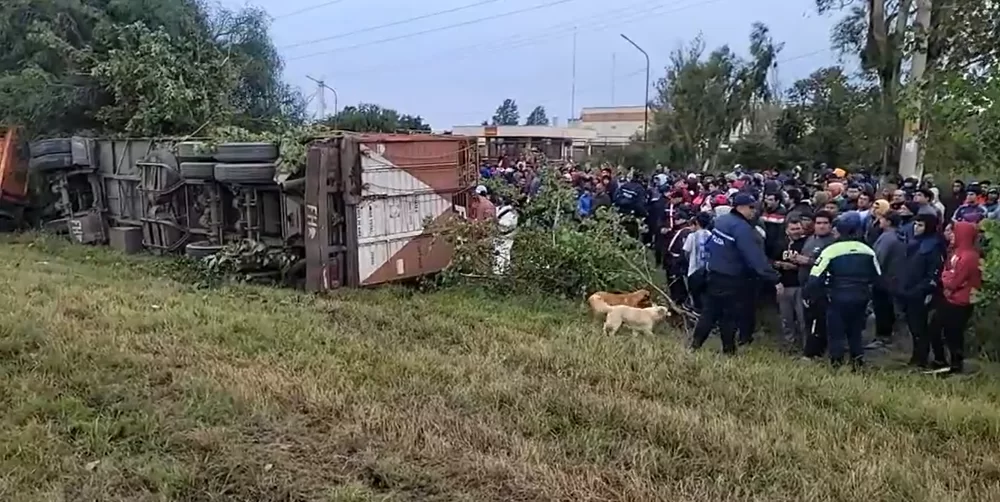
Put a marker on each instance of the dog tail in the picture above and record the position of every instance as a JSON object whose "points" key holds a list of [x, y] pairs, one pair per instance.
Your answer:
{"points": [[598, 304]]}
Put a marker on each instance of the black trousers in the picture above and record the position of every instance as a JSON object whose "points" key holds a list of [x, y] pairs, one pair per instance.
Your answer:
{"points": [[725, 307], [845, 323], [917, 312], [885, 314], [816, 340], [947, 328]]}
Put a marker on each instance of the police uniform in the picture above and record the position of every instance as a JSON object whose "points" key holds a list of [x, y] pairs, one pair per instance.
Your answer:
{"points": [[844, 274], [735, 259]]}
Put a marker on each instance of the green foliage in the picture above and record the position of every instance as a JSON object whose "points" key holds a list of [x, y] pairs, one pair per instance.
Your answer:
{"points": [[368, 117], [554, 253], [292, 141], [699, 102], [507, 113], [537, 117], [149, 68], [986, 337]]}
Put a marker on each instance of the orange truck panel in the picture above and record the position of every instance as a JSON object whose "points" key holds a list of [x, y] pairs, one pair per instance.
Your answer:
{"points": [[13, 177]]}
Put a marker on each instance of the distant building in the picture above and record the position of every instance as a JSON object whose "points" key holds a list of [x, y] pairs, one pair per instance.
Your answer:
{"points": [[594, 132], [614, 125]]}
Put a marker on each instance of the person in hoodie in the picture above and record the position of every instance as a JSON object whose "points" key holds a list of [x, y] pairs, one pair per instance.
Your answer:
{"points": [[959, 278], [919, 274], [890, 249], [585, 201], [844, 274]]}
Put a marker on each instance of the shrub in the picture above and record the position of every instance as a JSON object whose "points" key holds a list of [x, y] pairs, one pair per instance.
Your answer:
{"points": [[985, 337], [555, 252]]}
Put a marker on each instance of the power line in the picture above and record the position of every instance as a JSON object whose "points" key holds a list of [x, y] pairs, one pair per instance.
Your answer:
{"points": [[387, 25], [639, 71], [587, 23], [306, 9], [434, 30]]}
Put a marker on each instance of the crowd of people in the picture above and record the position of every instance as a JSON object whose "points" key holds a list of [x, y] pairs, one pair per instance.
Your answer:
{"points": [[827, 250]]}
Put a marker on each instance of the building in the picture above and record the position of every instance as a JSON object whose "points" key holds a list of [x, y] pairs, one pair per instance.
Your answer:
{"points": [[614, 125], [554, 142]]}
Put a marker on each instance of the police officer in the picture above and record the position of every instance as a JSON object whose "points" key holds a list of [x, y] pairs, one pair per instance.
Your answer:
{"points": [[844, 274], [735, 259]]}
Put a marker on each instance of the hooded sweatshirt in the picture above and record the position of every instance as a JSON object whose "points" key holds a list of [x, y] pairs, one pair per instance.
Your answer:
{"points": [[961, 274], [890, 249]]}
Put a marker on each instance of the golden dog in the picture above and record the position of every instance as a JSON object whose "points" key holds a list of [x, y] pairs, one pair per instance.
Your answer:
{"points": [[602, 299]]}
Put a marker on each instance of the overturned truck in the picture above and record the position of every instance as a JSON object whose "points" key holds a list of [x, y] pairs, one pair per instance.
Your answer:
{"points": [[355, 215]]}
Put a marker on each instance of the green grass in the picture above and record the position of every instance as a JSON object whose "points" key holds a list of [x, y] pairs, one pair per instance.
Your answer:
{"points": [[117, 383]]}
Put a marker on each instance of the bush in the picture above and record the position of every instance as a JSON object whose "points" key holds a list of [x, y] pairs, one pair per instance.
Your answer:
{"points": [[985, 337], [554, 252]]}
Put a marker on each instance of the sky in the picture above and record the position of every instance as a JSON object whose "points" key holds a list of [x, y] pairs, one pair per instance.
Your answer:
{"points": [[456, 67]]}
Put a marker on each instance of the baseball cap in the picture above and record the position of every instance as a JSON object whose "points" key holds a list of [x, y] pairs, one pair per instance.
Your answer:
{"points": [[848, 223], [481, 190], [743, 199]]}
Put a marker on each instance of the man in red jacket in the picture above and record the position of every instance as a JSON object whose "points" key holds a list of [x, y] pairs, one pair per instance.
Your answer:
{"points": [[960, 276]]}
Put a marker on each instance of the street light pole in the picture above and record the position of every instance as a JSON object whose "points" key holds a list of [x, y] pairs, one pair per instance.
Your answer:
{"points": [[645, 105]]}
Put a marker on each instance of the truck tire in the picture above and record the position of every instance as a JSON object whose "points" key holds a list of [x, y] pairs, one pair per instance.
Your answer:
{"points": [[244, 173], [50, 146], [187, 151], [198, 170], [246, 152], [51, 162], [201, 249]]}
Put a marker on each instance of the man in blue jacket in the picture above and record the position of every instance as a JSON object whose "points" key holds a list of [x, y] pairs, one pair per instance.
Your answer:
{"points": [[844, 274], [735, 259]]}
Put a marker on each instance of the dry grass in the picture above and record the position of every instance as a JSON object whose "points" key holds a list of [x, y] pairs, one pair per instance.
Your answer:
{"points": [[118, 384]]}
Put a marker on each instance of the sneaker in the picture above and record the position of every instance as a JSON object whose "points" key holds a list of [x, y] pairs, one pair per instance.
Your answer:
{"points": [[876, 345], [938, 371]]}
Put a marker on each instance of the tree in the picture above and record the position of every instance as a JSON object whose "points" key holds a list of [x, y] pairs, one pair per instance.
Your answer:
{"points": [[537, 117], [699, 102], [763, 60], [157, 67], [829, 118], [876, 32], [507, 113], [368, 117]]}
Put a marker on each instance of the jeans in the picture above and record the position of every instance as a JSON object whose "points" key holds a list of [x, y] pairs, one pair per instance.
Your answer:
{"points": [[793, 320], [846, 322], [947, 327]]}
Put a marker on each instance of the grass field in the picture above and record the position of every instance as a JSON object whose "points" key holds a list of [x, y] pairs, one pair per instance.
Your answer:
{"points": [[117, 383]]}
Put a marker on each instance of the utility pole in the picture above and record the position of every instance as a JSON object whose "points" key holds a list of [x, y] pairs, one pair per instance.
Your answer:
{"points": [[572, 93], [613, 78], [645, 104], [911, 157], [321, 89]]}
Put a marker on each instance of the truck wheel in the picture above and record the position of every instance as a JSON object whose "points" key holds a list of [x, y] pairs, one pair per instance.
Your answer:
{"points": [[51, 162], [244, 173], [201, 249], [198, 170], [246, 152], [50, 146], [187, 151]]}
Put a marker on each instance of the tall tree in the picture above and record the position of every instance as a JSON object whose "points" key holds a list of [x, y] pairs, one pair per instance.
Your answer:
{"points": [[537, 117], [507, 113], [763, 61], [699, 102], [876, 31]]}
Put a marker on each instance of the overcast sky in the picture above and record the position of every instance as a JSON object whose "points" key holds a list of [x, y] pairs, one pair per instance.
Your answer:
{"points": [[454, 74]]}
